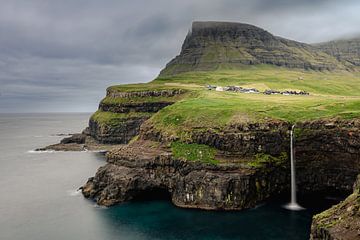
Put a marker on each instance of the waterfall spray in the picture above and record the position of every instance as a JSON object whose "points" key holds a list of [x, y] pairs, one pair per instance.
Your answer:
{"points": [[293, 205]]}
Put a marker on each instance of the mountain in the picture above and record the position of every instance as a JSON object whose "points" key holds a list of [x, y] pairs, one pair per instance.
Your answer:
{"points": [[346, 51], [211, 45]]}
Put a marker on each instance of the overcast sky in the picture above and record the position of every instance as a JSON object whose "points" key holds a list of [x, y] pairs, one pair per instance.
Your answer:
{"points": [[60, 56]]}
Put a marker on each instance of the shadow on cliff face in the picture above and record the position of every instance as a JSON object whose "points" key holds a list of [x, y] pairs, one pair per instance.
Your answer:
{"points": [[152, 195]]}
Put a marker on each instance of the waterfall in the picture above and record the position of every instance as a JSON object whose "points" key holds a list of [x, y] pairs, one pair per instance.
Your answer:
{"points": [[293, 205]]}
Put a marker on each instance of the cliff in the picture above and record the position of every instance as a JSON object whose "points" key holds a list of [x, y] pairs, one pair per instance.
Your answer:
{"points": [[214, 45], [342, 221], [244, 174], [346, 51]]}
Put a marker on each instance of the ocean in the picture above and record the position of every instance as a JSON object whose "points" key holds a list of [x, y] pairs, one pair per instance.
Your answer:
{"points": [[39, 198]]}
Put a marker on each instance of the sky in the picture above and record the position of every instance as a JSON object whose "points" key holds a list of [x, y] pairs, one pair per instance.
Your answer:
{"points": [[60, 56]]}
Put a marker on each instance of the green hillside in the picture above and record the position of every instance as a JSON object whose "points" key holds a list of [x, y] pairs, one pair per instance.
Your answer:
{"points": [[332, 95], [234, 54]]}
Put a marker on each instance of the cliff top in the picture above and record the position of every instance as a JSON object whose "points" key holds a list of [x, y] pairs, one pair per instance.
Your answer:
{"points": [[201, 25]]}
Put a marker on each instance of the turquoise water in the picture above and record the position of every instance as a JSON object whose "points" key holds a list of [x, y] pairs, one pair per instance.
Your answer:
{"points": [[39, 200]]}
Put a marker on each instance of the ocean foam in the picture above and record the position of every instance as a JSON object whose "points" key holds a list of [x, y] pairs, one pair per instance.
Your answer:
{"points": [[74, 193]]}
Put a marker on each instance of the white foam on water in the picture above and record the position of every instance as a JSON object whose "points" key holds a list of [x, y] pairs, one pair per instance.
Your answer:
{"points": [[99, 207], [293, 207], [74, 193], [42, 151]]}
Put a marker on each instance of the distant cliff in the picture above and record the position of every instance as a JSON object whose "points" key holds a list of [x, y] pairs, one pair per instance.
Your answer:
{"points": [[213, 45], [346, 51]]}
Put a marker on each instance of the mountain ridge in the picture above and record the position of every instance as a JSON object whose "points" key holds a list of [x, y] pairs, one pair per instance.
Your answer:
{"points": [[345, 50], [211, 45]]}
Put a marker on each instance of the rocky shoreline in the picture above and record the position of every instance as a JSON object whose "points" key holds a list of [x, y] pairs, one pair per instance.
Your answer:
{"points": [[146, 167], [79, 142]]}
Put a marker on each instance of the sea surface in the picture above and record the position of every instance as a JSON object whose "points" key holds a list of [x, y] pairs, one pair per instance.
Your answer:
{"points": [[39, 198]]}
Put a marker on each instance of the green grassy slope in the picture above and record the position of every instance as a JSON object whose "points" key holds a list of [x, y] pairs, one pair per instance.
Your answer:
{"points": [[332, 95]]}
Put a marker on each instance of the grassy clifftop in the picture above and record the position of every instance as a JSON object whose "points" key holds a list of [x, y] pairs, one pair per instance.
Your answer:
{"points": [[332, 95]]}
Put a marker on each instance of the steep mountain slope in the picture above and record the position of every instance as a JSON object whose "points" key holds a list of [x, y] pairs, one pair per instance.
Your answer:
{"points": [[212, 45], [347, 51]]}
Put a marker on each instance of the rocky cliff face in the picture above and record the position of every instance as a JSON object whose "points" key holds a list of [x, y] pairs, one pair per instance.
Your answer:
{"points": [[347, 51], [141, 167], [342, 221], [121, 113], [327, 152], [210, 45]]}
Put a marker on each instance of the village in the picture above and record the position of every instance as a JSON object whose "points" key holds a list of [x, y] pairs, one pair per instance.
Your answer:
{"points": [[254, 90]]}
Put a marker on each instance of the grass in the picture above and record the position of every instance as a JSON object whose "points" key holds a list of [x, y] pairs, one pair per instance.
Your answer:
{"points": [[269, 77], [263, 160], [332, 95], [194, 152]]}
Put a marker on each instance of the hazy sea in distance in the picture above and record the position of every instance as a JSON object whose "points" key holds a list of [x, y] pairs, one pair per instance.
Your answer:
{"points": [[39, 201]]}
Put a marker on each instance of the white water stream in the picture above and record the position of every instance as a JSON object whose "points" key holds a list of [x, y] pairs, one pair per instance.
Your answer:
{"points": [[293, 205]]}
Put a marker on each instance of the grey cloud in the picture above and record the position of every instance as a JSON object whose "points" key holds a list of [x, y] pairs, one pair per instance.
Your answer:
{"points": [[63, 54]]}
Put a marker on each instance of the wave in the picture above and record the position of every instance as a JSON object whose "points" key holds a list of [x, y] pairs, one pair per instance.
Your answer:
{"points": [[41, 151]]}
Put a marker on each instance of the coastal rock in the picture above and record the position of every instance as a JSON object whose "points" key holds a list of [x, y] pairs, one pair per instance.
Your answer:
{"points": [[151, 107], [126, 111], [341, 221], [120, 133], [134, 169], [327, 152], [144, 166], [75, 138]]}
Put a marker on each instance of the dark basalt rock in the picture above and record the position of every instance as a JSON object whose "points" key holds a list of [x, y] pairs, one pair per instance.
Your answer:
{"points": [[156, 93], [151, 107], [134, 169], [340, 222], [327, 152], [231, 185], [75, 138], [120, 133]]}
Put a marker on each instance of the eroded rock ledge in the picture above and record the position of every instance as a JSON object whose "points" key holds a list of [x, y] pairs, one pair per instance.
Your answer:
{"points": [[328, 154], [141, 167], [342, 221]]}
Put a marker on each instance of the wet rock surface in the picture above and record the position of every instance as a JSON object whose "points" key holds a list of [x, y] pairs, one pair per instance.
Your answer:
{"points": [[79, 142]]}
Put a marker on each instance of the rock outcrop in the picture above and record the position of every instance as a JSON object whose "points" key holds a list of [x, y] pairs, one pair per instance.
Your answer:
{"points": [[327, 152], [210, 45], [340, 222], [141, 167], [121, 113], [120, 132]]}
